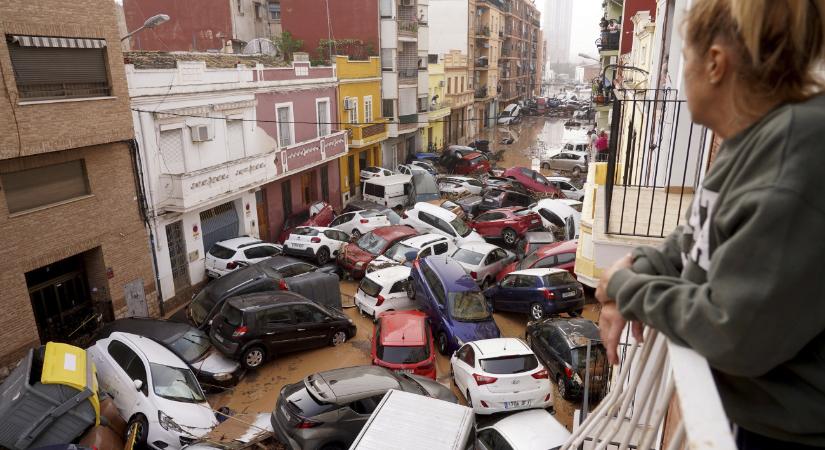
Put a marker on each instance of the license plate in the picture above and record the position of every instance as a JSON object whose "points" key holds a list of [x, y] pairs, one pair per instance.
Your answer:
{"points": [[298, 245], [568, 294], [508, 405], [403, 371]]}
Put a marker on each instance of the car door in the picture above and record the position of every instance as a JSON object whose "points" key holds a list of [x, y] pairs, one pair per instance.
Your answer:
{"points": [[117, 375], [463, 367], [485, 224], [503, 298], [336, 240], [313, 326], [523, 293], [352, 417], [343, 222], [278, 330], [550, 340], [566, 261]]}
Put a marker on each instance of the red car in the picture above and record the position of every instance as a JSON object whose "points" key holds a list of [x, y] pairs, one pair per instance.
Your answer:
{"points": [[356, 256], [402, 341], [507, 223], [472, 163], [534, 181], [319, 214], [559, 255]]}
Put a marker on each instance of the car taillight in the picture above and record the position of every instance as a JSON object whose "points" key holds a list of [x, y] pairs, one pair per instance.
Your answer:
{"points": [[240, 331], [306, 423], [365, 221], [549, 295], [315, 240], [231, 265], [474, 275], [481, 380], [541, 374], [568, 371], [282, 285], [380, 300]]}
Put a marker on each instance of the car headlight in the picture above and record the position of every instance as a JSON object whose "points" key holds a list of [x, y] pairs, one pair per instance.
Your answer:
{"points": [[168, 423], [222, 376]]}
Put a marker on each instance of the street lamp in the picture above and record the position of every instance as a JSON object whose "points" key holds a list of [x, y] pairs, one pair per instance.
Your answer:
{"points": [[586, 56], [151, 22]]}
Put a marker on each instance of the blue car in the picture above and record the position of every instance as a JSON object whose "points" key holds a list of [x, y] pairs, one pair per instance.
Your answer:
{"points": [[455, 307], [537, 292]]}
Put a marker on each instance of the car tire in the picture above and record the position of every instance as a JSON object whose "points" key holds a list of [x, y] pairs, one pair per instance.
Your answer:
{"points": [[545, 166], [140, 427], [442, 343], [536, 311], [561, 385], [322, 257], [356, 234], [253, 357], [509, 235], [338, 338]]}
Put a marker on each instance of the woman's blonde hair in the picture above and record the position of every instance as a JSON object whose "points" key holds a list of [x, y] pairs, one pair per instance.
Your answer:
{"points": [[779, 43]]}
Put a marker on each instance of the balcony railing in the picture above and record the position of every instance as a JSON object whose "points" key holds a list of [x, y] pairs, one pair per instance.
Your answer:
{"points": [[483, 31], [663, 397], [408, 74], [609, 41], [408, 27], [408, 118], [655, 158], [481, 92], [366, 134]]}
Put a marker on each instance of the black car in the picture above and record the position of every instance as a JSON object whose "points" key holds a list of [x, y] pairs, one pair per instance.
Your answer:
{"points": [[272, 274], [561, 345], [190, 344], [497, 198], [531, 241], [469, 205], [255, 327]]}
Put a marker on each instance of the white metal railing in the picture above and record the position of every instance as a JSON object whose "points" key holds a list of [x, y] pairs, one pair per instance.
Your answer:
{"points": [[633, 414]]}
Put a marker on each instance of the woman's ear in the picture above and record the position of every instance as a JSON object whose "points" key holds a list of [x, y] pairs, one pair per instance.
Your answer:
{"points": [[716, 63]]}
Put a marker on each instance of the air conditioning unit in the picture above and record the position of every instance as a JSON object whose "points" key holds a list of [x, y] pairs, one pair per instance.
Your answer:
{"points": [[350, 103], [200, 133], [407, 2]]}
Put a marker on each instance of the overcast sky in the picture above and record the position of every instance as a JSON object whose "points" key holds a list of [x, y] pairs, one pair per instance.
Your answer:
{"points": [[586, 15]]}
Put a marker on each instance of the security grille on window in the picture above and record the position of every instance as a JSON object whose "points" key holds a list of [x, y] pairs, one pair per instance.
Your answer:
{"points": [[48, 68], [386, 59], [387, 108], [284, 127], [42, 186]]}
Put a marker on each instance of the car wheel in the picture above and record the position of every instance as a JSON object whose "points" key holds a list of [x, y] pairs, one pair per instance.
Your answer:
{"points": [[509, 235], [442, 343], [562, 388], [355, 233], [322, 256], [338, 338], [545, 166], [253, 357], [137, 431], [536, 311]]}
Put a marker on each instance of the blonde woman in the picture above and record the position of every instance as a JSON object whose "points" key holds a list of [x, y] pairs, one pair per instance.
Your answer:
{"points": [[742, 282]]}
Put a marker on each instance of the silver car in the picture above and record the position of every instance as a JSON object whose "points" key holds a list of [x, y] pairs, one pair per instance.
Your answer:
{"points": [[328, 409], [482, 261], [575, 162]]}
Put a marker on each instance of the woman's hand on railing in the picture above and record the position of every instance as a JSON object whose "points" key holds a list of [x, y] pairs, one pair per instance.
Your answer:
{"points": [[611, 322]]}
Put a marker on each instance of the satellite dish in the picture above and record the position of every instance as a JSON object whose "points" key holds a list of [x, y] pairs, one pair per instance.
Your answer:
{"points": [[261, 46]]}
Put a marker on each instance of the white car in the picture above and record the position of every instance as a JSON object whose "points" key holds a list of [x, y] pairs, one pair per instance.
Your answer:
{"points": [[575, 204], [407, 250], [150, 385], [411, 169], [229, 255], [535, 429], [482, 261], [358, 223], [557, 214], [384, 290], [319, 243], [458, 185], [429, 218], [372, 172], [564, 184], [503, 374]]}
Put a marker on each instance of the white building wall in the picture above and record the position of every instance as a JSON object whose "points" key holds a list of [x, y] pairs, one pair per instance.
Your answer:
{"points": [[448, 22]]}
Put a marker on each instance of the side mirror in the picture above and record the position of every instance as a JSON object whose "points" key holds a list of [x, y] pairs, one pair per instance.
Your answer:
{"points": [[411, 255], [138, 384]]}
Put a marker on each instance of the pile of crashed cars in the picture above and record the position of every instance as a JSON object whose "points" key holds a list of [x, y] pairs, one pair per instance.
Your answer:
{"points": [[430, 274]]}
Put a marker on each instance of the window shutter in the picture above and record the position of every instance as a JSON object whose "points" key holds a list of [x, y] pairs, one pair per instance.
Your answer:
{"points": [[50, 72]]}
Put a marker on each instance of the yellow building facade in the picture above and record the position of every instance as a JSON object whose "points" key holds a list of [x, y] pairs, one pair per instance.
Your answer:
{"points": [[438, 111], [359, 109]]}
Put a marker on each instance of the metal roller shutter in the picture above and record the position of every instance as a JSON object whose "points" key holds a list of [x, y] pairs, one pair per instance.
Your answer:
{"points": [[218, 224]]}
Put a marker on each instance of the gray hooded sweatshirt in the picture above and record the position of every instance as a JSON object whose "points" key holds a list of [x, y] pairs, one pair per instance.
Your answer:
{"points": [[743, 281]]}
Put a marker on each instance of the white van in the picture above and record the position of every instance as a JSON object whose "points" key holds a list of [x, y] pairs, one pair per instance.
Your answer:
{"points": [[405, 421], [392, 191], [509, 114]]}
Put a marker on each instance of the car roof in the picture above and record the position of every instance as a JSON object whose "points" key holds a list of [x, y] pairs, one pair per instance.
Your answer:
{"points": [[389, 274], [566, 179], [390, 179], [260, 299], [494, 348], [322, 229], [478, 247], [348, 384], [532, 429], [538, 272], [556, 207], [437, 211], [280, 261], [423, 239], [239, 242], [539, 236], [391, 232], [471, 155], [569, 201], [577, 331], [451, 273], [160, 330], [152, 351], [558, 247], [403, 328]]}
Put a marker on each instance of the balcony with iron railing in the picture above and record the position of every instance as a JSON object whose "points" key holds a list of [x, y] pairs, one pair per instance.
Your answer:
{"points": [[483, 31], [481, 93], [361, 135], [609, 41], [408, 75], [408, 28]]}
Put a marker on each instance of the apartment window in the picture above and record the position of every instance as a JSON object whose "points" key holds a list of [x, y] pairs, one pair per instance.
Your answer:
{"points": [[450, 85], [285, 126], [422, 104], [462, 85], [432, 59], [48, 68], [259, 11], [240, 7], [234, 134], [286, 198], [43, 186], [325, 183], [322, 114], [368, 109], [385, 7], [386, 59], [171, 151], [387, 108], [352, 113], [275, 11]]}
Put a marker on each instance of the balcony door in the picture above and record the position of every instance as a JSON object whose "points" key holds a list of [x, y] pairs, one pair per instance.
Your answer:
{"points": [[308, 183]]}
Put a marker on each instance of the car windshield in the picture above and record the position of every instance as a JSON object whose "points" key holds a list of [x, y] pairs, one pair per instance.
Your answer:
{"points": [[372, 169], [372, 243], [370, 287], [402, 354], [509, 364], [305, 231], [529, 260], [468, 306], [232, 315], [221, 252], [461, 227], [191, 346], [398, 251], [468, 256], [175, 383], [540, 178], [371, 213], [522, 212], [201, 305], [554, 279]]}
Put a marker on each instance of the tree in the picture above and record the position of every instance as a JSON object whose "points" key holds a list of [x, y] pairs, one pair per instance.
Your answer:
{"points": [[288, 45]]}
